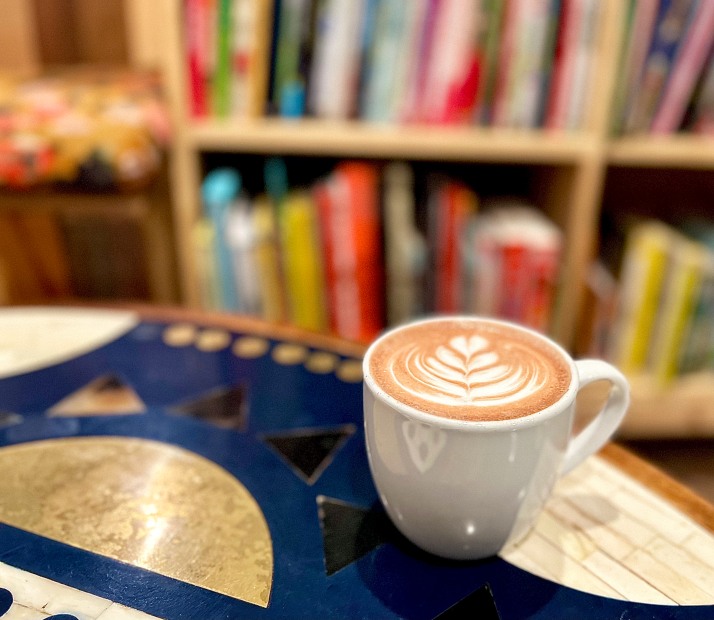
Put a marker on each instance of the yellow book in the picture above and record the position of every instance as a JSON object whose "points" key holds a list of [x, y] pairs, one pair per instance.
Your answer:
{"points": [[267, 260], [302, 262], [680, 294], [206, 269], [643, 271]]}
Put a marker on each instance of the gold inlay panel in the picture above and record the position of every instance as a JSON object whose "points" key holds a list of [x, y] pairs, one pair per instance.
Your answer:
{"points": [[142, 502]]}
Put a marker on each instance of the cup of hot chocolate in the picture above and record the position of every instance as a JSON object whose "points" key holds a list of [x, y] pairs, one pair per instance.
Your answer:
{"points": [[468, 425]]}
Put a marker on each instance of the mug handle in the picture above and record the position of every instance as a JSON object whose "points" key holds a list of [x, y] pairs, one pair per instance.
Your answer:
{"points": [[601, 428]]}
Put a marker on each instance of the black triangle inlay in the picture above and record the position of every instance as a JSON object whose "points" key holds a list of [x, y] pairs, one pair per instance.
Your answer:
{"points": [[479, 604], [350, 532], [226, 407], [309, 451]]}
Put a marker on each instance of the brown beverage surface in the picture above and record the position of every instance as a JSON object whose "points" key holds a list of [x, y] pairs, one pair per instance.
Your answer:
{"points": [[469, 369]]}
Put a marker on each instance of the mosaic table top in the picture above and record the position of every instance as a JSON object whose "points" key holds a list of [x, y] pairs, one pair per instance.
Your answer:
{"points": [[171, 464]]}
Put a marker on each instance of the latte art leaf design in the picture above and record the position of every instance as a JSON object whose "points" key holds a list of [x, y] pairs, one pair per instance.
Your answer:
{"points": [[470, 371]]}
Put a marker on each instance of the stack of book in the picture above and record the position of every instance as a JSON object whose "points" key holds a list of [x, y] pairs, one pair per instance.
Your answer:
{"points": [[352, 253], [660, 315], [666, 80], [509, 63]]}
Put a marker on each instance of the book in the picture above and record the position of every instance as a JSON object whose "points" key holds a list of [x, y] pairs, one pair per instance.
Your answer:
{"points": [[348, 207], [516, 257], [680, 291], [686, 69], [506, 54], [385, 61], [195, 29], [566, 44], [267, 261], [583, 64], [292, 57], [203, 246], [450, 206], [703, 105], [573, 64], [697, 352], [335, 68], [489, 38], [528, 63], [302, 261], [635, 25], [642, 276], [221, 82], [404, 246], [424, 43], [670, 27], [249, 56], [241, 239], [451, 77], [219, 189]]}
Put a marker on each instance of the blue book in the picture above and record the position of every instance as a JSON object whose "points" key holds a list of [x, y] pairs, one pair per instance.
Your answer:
{"points": [[218, 191]]}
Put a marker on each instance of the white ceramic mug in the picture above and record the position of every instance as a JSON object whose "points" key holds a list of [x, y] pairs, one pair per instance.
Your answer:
{"points": [[466, 489]]}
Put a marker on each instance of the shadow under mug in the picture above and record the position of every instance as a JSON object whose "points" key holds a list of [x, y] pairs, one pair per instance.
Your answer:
{"points": [[466, 489]]}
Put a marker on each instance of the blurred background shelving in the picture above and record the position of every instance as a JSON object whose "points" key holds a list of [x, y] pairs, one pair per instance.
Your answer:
{"points": [[581, 177]]}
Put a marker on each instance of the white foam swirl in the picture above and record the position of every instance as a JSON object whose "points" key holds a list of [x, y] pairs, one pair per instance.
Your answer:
{"points": [[470, 370]]}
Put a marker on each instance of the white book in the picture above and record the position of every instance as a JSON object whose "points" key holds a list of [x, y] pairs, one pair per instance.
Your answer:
{"points": [[336, 64]]}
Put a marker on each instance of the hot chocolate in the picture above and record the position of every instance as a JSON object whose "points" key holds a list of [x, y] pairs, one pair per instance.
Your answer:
{"points": [[469, 369]]}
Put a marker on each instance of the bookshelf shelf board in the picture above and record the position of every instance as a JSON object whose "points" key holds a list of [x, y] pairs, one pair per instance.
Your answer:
{"points": [[358, 139], [677, 151]]}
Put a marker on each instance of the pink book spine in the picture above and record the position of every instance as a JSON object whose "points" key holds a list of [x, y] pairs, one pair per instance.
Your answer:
{"points": [[686, 70]]}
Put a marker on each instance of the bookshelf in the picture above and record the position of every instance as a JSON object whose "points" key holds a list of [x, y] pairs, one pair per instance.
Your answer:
{"points": [[570, 175]]}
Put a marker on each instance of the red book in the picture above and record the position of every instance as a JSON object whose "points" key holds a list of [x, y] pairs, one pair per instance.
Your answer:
{"points": [[195, 21], [455, 203], [348, 208]]}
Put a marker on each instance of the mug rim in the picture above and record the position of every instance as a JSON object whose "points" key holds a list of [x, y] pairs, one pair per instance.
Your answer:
{"points": [[531, 419]]}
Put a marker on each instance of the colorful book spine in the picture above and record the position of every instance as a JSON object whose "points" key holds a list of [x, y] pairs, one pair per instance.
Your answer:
{"points": [[490, 29], [218, 191], [704, 102], [267, 261], [672, 23], [697, 351], [381, 69], [405, 248], [221, 85], [506, 55], [453, 204], [289, 85], [687, 68], [203, 241], [644, 266], [680, 293], [640, 31], [241, 239], [335, 67], [452, 69], [348, 204], [569, 25], [196, 56], [583, 65], [302, 262], [412, 109]]}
